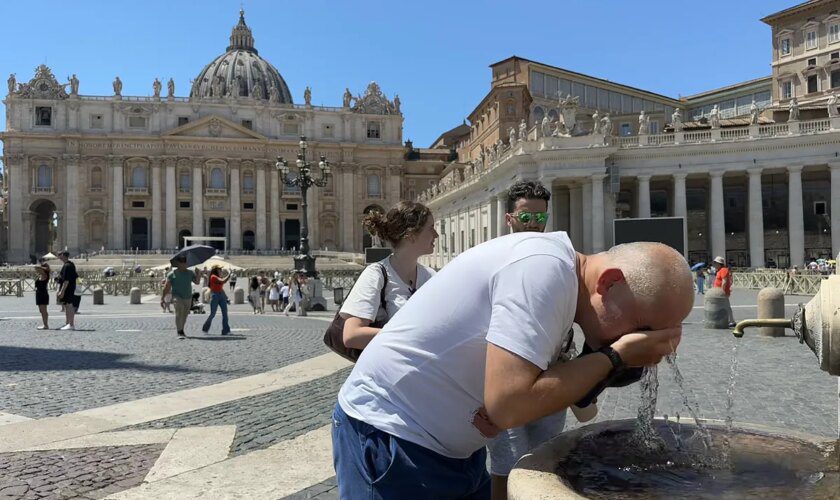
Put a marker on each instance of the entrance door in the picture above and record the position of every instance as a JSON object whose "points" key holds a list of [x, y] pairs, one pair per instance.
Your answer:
{"points": [[140, 233], [46, 226], [181, 235], [218, 228], [291, 234]]}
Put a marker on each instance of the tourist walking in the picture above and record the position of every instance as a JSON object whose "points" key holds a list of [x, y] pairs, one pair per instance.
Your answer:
{"points": [[723, 280], [410, 229], [67, 291], [42, 295], [284, 294], [233, 281], [218, 299], [254, 293], [263, 289], [179, 283], [701, 281], [274, 295], [296, 294]]}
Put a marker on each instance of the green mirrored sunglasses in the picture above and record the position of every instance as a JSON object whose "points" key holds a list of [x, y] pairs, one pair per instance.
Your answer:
{"points": [[527, 217]]}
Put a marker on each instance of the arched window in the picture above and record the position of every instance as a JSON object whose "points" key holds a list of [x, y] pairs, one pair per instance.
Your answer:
{"points": [[185, 180], [373, 186], [552, 115], [139, 177], [96, 178], [44, 176], [538, 115], [248, 181], [217, 179]]}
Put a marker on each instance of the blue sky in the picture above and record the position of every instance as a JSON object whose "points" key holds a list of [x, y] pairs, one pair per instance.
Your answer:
{"points": [[434, 54]]}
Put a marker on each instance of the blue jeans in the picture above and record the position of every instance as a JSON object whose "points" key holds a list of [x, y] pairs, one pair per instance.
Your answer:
{"points": [[219, 300], [374, 465]]}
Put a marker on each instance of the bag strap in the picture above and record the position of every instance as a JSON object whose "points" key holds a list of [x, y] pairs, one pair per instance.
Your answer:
{"points": [[384, 285]]}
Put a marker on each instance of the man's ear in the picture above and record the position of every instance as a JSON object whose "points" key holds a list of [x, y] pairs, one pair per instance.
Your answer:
{"points": [[609, 277], [508, 220]]}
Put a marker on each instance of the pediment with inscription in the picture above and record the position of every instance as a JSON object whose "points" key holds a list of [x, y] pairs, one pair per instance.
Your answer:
{"points": [[214, 126]]}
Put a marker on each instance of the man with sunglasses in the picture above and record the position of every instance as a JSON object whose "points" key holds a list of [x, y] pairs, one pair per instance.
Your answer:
{"points": [[527, 207]]}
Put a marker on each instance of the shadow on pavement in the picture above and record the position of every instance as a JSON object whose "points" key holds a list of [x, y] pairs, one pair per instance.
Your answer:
{"points": [[14, 359], [219, 337]]}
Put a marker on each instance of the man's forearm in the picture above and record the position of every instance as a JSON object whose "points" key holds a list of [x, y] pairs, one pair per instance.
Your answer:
{"points": [[554, 390]]}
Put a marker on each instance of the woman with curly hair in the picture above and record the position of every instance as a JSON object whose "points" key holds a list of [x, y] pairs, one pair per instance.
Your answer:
{"points": [[410, 229]]}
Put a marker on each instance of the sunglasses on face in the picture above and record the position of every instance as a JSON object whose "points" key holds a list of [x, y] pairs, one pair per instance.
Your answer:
{"points": [[526, 217]]}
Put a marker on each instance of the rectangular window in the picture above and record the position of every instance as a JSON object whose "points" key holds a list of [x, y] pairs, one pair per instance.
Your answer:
{"points": [[484, 233], [812, 61], [185, 181], [248, 124], [819, 208], [183, 120], [784, 46], [811, 40], [291, 207], [373, 130], [812, 84], [461, 248], [787, 90], [43, 116], [603, 99], [835, 79], [248, 205], [615, 101], [183, 204], [138, 204], [97, 121], [328, 130], [551, 86], [137, 122], [452, 241], [834, 33], [654, 127], [835, 56], [537, 83], [290, 129], [591, 97], [625, 129]]}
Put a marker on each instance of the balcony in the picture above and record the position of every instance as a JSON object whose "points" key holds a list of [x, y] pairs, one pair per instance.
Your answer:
{"points": [[136, 191], [43, 190], [215, 192]]}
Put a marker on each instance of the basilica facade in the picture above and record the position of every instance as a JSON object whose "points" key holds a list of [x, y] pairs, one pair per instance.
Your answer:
{"points": [[122, 172]]}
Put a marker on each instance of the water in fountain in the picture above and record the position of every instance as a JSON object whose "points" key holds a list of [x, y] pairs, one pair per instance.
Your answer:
{"points": [[730, 401], [645, 435], [692, 407]]}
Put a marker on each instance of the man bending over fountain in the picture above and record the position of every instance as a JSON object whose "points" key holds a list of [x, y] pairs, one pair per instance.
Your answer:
{"points": [[469, 355]]}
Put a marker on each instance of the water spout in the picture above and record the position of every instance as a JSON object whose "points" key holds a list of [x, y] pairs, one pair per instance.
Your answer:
{"points": [[738, 332]]}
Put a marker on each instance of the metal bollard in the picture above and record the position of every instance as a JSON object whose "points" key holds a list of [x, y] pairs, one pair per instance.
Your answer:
{"points": [[98, 296], [134, 296], [239, 296], [771, 305], [716, 307]]}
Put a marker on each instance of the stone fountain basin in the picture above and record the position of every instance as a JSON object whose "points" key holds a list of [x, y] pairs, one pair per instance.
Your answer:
{"points": [[547, 472]]}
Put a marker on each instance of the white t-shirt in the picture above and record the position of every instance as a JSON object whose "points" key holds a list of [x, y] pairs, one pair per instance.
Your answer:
{"points": [[364, 300], [422, 377], [274, 293], [284, 291]]}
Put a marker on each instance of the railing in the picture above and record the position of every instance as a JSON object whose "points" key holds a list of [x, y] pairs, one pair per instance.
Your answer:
{"points": [[11, 287], [629, 141], [136, 190], [813, 126], [732, 134], [798, 284], [702, 136], [773, 130], [215, 192], [43, 190], [660, 139]]}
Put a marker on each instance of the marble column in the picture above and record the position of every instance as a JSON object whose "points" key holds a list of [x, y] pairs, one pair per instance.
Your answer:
{"points": [[796, 228], [198, 198], [835, 209], [71, 206], [501, 210], [597, 213], [586, 205], [260, 206], [117, 217], [575, 217], [156, 201], [494, 216], [551, 224], [680, 206], [171, 207], [348, 215], [609, 219], [643, 196], [274, 209], [18, 236], [235, 236], [755, 219], [717, 227]]}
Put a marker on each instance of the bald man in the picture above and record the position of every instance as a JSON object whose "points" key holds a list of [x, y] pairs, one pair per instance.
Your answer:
{"points": [[471, 353]]}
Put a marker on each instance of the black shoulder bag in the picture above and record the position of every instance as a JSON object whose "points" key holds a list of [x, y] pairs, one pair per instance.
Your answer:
{"points": [[334, 336]]}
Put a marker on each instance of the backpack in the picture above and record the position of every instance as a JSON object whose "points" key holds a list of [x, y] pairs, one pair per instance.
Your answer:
{"points": [[334, 336]]}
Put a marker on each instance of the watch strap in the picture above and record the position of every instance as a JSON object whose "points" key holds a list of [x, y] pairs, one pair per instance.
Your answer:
{"points": [[615, 358]]}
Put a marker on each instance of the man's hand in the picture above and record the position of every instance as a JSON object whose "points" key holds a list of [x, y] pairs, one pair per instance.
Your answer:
{"points": [[647, 348], [60, 295]]}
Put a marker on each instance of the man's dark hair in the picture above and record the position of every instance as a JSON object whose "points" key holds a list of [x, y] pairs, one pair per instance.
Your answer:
{"points": [[529, 190], [65, 254]]}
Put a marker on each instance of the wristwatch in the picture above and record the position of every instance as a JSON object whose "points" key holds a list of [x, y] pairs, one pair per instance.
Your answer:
{"points": [[617, 363]]}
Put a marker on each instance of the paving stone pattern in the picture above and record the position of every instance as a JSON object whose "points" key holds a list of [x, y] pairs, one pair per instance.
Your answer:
{"points": [[84, 473], [267, 419], [326, 490]]}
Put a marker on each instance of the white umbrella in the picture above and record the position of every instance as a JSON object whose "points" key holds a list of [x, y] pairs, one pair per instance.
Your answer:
{"points": [[49, 256], [162, 267], [218, 261]]}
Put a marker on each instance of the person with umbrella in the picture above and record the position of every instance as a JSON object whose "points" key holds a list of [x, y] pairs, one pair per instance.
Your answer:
{"points": [[218, 300], [700, 277], [179, 281]]}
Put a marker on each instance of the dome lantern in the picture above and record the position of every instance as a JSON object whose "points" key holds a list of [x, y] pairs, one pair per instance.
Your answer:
{"points": [[240, 36]]}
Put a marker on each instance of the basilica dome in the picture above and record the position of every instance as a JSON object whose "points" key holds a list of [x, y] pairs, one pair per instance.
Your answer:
{"points": [[241, 72]]}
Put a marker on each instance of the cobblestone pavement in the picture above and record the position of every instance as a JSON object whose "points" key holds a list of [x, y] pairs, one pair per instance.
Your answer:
{"points": [[122, 353], [79, 473]]}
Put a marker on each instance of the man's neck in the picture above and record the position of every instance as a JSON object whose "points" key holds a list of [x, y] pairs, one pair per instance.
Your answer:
{"points": [[587, 278]]}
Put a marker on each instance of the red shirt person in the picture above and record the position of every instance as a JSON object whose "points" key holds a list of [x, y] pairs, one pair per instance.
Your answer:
{"points": [[723, 279]]}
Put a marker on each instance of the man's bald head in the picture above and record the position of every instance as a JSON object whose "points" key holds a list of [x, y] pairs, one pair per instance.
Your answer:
{"points": [[632, 287]]}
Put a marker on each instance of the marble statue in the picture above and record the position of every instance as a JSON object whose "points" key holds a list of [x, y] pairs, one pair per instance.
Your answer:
{"points": [[117, 86], [644, 123], [606, 125], [500, 146], [511, 136], [714, 117], [258, 89], [273, 93], [347, 98], [596, 123], [754, 111], [482, 154], [523, 130], [218, 87], [170, 88], [397, 103], [793, 110], [546, 126], [537, 129], [676, 120], [567, 122], [832, 105], [156, 86], [12, 81], [307, 96], [74, 85]]}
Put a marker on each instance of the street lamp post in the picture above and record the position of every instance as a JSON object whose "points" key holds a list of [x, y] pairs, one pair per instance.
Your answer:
{"points": [[304, 180]]}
